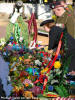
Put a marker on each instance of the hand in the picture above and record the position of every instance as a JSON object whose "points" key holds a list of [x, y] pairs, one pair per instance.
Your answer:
{"points": [[40, 47], [50, 51], [72, 73]]}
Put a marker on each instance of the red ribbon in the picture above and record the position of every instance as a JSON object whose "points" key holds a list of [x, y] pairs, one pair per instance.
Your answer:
{"points": [[30, 22], [56, 55], [51, 63], [41, 79]]}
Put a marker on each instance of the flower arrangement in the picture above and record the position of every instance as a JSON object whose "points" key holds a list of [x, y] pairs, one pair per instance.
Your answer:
{"points": [[28, 70], [29, 66]]}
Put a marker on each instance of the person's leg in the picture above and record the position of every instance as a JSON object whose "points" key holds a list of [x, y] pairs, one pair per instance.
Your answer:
{"points": [[2, 93], [72, 63], [71, 52]]}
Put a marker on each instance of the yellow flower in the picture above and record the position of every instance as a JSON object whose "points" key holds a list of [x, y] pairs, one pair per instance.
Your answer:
{"points": [[28, 94], [17, 89], [28, 77], [57, 64], [11, 69], [46, 49], [14, 58], [45, 1], [54, 17], [1, 48], [70, 7], [20, 58], [21, 88], [44, 70]]}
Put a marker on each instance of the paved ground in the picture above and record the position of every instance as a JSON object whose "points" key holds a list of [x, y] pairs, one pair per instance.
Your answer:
{"points": [[2, 31], [3, 23]]}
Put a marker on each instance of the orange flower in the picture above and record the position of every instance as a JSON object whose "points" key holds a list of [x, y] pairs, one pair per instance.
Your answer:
{"points": [[26, 84], [27, 61], [28, 94], [44, 70], [16, 89], [11, 69]]}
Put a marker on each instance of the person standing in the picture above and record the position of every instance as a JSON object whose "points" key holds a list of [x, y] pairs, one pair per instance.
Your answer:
{"points": [[19, 8], [65, 20]]}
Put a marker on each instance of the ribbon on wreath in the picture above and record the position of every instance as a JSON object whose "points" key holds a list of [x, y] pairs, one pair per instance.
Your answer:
{"points": [[51, 63], [31, 22], [57, 53], [17, 32]]}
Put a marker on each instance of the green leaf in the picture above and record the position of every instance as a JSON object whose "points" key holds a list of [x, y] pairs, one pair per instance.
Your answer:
{"points": [[62, 91], [59, 91]]}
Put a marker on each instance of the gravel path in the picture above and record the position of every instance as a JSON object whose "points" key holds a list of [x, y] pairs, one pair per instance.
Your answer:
{"points": [[2, 31]]}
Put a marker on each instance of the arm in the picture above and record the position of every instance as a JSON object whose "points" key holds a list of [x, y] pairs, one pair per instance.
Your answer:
{"points": [[54, 36], [70, 25], [68, 21]]}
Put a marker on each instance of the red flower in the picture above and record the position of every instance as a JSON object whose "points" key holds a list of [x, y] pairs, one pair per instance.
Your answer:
{"points": [[14, 42], [23, 73], [41, 78]]}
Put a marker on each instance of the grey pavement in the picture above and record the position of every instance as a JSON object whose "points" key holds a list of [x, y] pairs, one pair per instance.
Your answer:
{"points": [[4, 71]]}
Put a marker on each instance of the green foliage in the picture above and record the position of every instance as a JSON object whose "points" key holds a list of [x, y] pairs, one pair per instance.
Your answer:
{"points": [[26, 56], [62, 91], [9, 30], [23, 27], [64, 68], [24, 30], [17, 32], [40, 95]]}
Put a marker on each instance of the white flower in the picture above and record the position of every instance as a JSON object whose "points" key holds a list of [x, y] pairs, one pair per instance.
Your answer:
{"points": [[2, 41], [21, 39], [37, 62], [54, 81], [14, 69], [32, 45], [4, 54], [9, 79], [10, 44]]}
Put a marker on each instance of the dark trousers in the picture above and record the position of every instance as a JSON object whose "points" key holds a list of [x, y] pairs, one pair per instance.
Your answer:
{"points": [[71, 52], [2, 93]]}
